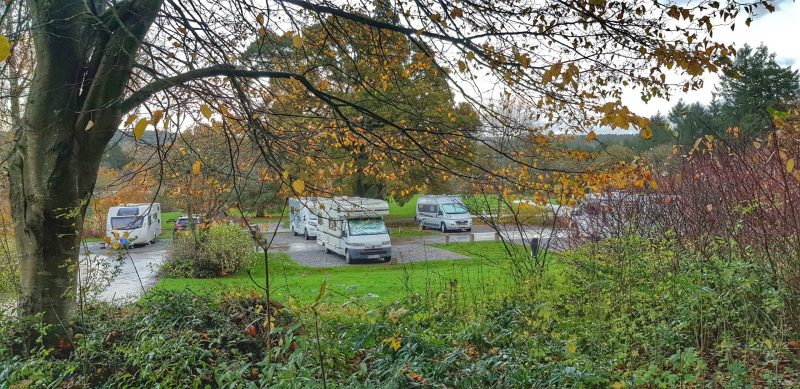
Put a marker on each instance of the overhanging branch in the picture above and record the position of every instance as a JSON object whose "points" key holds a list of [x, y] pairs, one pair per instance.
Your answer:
{"points": [[141, 95]]}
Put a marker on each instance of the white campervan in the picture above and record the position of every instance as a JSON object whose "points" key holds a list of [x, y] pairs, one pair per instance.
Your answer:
{"points": [[141, 223], [353, 227], [303, 216], [443, 212]]}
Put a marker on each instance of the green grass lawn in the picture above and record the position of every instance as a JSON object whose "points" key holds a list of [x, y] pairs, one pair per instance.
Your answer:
{"points": [[407, 232], [407, 210], [168, 222], [484, 274]]}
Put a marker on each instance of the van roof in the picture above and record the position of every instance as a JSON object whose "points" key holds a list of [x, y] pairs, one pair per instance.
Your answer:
{"points": [[440, 199], [355, 206]]}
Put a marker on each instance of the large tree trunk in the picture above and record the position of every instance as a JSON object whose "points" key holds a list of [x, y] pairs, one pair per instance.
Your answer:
{"points": [[43, 173], [47, 221], [81, 73]]}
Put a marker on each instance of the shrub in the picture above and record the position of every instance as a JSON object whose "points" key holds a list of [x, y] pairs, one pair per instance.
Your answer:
{"points": [[217, 251], [171, 340]]}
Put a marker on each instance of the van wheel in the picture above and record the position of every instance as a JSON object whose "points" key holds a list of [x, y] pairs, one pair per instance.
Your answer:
{"points": [[305, 234], [347, 257], [421, 225], [327, 250], [387, 259], [444, 228]]}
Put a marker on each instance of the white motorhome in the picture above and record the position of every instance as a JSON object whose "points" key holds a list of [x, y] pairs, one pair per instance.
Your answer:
{"points": [[443, 212], [612, 214], [303, 217], [353, 227], [141, 223]]}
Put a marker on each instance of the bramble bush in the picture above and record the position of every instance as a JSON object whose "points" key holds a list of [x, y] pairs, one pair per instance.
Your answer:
{"points": [[216, 251]]}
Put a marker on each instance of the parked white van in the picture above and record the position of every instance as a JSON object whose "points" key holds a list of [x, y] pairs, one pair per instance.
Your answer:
{"points": [[141, 223], [303, 216], [444, 212], [353, 227]]}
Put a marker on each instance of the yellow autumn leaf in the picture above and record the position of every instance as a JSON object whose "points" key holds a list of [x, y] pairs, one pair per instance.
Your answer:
{"points": [[646, 134], [393, 342], [5, 48], [285, 174], [129, 120], [206, 111], [572, 348], [297, 41], [141, 125], [157, 115], [196, 166], [462, 67], [591, 136], [299, 186], [790, 165], [89, 125]]}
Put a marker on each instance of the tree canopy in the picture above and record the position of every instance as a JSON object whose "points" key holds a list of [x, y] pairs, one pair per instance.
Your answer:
{"points": [[97, 67]]}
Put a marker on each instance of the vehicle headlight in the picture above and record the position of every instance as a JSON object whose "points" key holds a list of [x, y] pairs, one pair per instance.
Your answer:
{"points": [[385, 242]]}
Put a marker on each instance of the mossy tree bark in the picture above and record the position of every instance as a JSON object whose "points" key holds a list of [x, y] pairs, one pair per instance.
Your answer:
{"points": [[84, 59]]}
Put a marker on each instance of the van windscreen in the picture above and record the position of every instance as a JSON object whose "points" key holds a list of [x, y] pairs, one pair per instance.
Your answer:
{"points": [[366, 226], [454, 208], [126, 223]]}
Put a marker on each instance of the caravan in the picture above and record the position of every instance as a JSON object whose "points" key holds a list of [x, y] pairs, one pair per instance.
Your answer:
{"points": [[134, 223], [444, 212], [303, 217], [353, 227]]}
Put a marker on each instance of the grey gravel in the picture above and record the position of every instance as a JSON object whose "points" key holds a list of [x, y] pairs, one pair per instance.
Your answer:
{"points": [[313, 255]]}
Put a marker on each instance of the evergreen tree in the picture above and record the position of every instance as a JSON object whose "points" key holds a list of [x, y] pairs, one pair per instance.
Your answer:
{"points": [[754, 85]]}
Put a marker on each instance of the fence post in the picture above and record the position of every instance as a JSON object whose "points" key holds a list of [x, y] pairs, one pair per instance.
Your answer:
{"points": [[496, 236], [447, 239], [472, 238]]}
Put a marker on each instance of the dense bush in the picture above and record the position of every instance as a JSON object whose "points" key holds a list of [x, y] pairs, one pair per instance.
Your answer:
{"points": [[173, 340], [217, 251], [619, 313]]}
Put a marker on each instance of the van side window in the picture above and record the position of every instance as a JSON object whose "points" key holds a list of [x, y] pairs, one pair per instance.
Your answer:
{"points": [[332, 224]]}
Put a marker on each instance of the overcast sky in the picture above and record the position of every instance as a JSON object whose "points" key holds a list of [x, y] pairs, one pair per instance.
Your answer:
{"points": [[780, 31]]}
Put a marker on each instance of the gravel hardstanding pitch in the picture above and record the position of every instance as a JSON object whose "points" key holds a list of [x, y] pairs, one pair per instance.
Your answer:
{"points": [[312, 254]]}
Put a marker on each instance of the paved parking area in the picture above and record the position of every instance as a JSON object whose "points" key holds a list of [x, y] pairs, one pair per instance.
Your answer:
{"points": [[406, 250], [313, 255]]}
